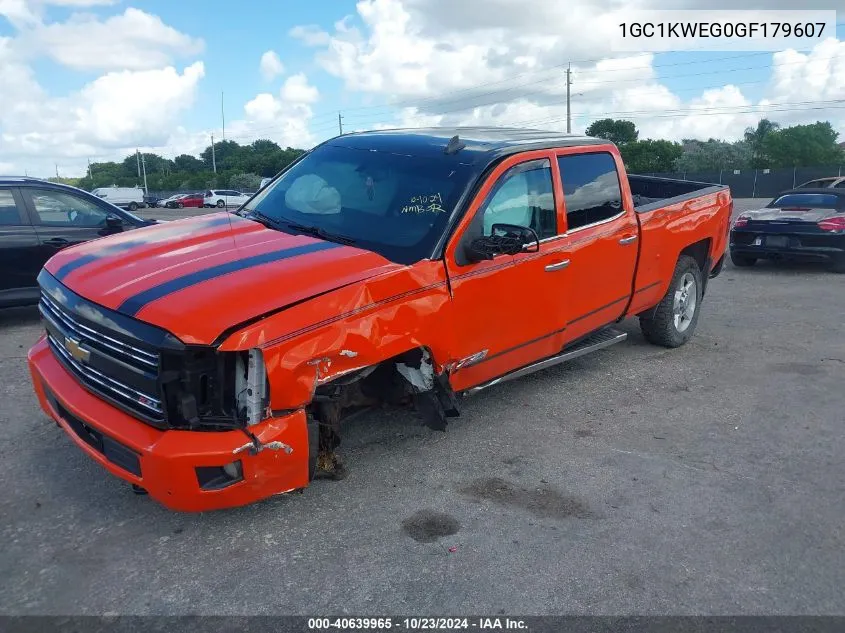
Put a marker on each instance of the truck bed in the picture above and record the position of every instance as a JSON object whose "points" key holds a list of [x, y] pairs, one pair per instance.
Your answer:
{"points": [[650, 193], [674, 216]]}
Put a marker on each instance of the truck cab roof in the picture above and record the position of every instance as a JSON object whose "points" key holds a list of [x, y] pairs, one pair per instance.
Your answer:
{"points": [[477, 144]]}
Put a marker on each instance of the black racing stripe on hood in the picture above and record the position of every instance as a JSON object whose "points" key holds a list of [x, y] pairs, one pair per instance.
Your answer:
{"points": [[132, 305], [122, 247]]}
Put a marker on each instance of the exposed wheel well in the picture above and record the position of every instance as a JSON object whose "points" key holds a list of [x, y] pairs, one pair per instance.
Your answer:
{"points": [[699, 252]]}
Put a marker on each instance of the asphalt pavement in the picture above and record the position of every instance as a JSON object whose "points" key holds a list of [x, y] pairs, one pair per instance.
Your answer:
{"points": [[707, 479]]}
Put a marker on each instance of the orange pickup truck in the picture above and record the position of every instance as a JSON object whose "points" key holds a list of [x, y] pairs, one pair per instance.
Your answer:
{"points": [[211, 361]]}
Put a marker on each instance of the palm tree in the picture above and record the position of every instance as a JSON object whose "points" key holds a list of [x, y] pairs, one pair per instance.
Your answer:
{"points": [[756, 137]]}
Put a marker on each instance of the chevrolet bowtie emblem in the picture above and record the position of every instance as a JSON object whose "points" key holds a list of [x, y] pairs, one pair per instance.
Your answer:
{"points": [[79, 354]]}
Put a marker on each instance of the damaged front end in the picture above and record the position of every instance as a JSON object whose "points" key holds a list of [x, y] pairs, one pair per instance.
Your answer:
{"points": [[409, 379]]}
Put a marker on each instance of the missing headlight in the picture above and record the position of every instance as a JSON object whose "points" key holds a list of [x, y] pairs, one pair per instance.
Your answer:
{"points": [[251, 386]]}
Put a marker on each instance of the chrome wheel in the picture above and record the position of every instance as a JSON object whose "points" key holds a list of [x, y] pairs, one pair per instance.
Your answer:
{"points": [[684, 303]]}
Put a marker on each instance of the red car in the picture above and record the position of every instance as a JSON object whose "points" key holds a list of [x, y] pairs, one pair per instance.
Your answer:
{"points": [[190, 200]]}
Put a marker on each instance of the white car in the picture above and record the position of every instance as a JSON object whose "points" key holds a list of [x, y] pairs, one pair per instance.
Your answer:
{"points": [[130, 198], [223, 198]]}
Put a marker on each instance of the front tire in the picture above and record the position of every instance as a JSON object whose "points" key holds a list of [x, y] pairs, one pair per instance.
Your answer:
{"points": [[672, 323], [742, 261], [179, 205], [133, 206], [221, 204]]}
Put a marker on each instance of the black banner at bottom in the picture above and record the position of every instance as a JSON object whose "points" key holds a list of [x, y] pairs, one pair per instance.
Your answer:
{"points": [[342, 624]]}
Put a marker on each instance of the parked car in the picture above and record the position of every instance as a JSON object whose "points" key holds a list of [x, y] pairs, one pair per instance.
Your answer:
{"points": [[383, 267], [165, 203], [131, 198], [151, 201], [807, 224], [223, 198], [834, 182], [187, 200], [39, 218], [264, 182]]}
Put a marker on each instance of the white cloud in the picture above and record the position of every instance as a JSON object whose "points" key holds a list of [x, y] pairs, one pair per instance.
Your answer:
{"points": [[109, 116], [133, 40], [492, 62], [271, 66], [296, 89], [310, 35], [284, 118]]}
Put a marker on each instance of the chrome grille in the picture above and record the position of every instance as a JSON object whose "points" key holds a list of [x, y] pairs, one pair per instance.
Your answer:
{"points": [[122, 373]]}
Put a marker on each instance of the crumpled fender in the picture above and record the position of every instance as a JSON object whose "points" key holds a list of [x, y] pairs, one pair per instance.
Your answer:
{"points": [[353, 327]]}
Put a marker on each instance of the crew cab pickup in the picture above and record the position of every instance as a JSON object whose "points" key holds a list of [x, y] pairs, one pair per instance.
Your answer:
{"points": [[211, 361]]}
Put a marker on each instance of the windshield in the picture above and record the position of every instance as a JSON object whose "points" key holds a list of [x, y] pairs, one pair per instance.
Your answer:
{"points": [[394, 204], [810, 200]]}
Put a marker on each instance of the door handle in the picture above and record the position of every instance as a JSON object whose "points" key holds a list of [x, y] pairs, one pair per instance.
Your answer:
{"points": [[628, 240], [557, 266], [58, 242]]}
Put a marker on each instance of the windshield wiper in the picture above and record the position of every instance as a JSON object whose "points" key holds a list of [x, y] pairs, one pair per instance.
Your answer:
{"points": [[320, 232], [266, 220]]}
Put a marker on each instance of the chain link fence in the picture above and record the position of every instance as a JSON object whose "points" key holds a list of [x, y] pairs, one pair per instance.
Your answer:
{"points": [[758, 183]]}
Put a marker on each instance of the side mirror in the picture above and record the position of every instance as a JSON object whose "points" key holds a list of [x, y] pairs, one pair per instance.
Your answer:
{"points": [[114, 223], [506, 239]]}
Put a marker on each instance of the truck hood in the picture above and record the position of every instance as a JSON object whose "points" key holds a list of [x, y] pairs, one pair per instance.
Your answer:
{"points": [[773, 214], [200, 277]]}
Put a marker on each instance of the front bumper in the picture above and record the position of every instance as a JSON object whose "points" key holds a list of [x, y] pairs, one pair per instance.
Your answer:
{"points": [[164, 463]]}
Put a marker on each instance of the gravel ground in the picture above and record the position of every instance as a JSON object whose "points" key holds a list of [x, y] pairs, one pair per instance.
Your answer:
{"points": [[638, 480]]}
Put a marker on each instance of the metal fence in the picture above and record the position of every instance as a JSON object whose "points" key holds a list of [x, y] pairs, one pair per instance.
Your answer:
{"points": [[758, 183]]}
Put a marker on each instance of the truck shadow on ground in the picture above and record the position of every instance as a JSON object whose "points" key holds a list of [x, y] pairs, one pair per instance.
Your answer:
{"points": [[26, 315]]}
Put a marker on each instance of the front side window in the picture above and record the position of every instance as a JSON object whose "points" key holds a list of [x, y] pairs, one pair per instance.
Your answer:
{"points": [[523, 196], [56, 208], [394, 203], [590, 188]]}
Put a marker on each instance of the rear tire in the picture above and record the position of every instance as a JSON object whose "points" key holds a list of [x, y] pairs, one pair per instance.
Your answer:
{"points": [[672, 323], [133, 206], [742, 261], [221, 204]]}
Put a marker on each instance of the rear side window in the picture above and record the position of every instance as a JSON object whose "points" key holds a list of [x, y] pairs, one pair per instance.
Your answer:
{"points": [[812, 200], [590, 188], [9, 215], [840, 185]]}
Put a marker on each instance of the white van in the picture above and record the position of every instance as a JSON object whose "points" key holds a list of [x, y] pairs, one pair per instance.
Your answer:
{"points": [[126, 197]]}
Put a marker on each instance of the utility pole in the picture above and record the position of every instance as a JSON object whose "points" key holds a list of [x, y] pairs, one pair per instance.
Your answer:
{"points": [[57, 172], [213, 158], [339, 124], [138, 160], [222, 115], [144, 165], [568, 108], [90, 177]]}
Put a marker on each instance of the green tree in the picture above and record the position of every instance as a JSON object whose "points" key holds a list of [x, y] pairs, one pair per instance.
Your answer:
{"points": [[650, 156], [245, 182], [756, 137], [188, 164], [618, 131], [803, 146], [713, 155]]}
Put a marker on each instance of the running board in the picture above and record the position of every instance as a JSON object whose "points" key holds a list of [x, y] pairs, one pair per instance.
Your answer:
{"points": [[599, 340]]}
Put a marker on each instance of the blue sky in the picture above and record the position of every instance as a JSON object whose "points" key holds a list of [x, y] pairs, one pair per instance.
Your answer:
{"points": [[96, 78]]}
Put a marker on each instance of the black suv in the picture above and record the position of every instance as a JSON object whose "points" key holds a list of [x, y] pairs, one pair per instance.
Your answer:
{"points": [[37, 218]]}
